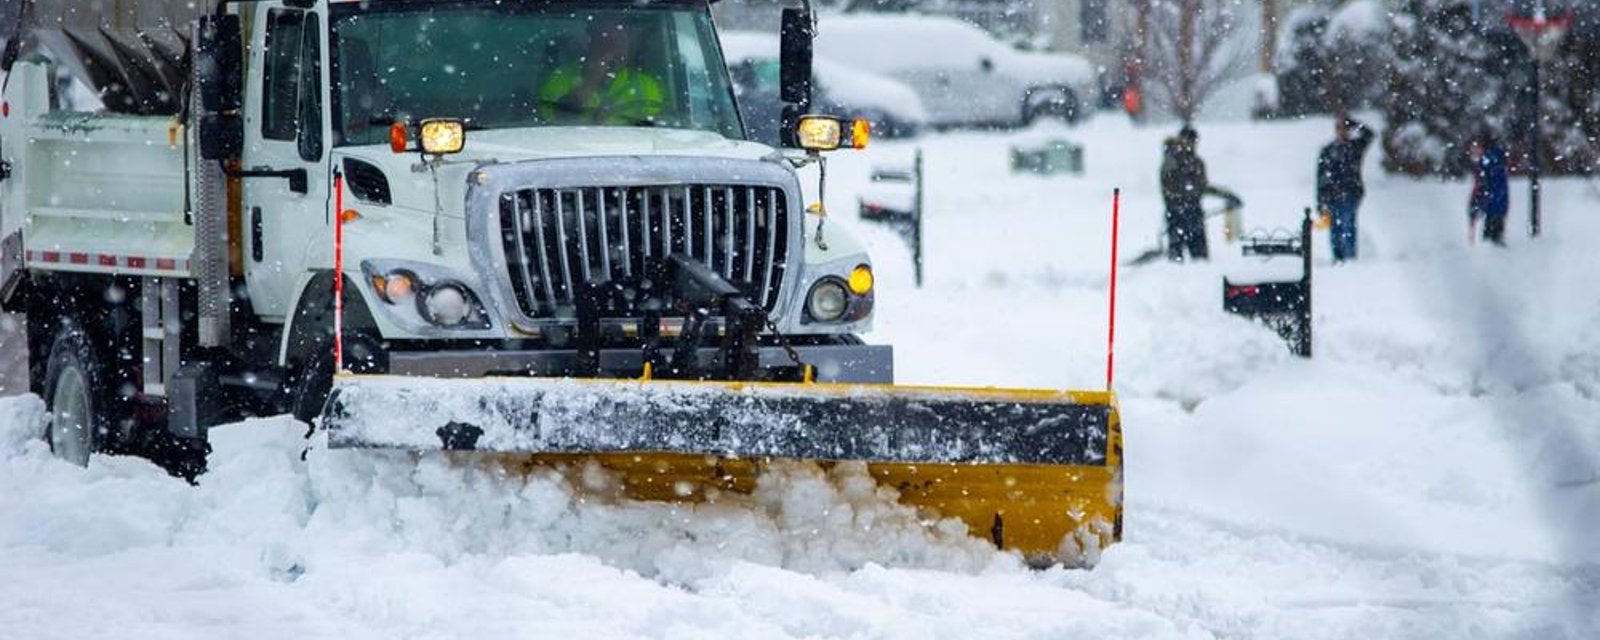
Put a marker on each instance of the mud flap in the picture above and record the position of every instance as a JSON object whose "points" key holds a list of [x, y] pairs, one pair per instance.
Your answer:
{"points": [[1038, 471]]}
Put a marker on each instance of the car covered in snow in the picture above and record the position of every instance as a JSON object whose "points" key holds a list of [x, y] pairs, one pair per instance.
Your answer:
{"points": [[965, 76], [893, 108]]}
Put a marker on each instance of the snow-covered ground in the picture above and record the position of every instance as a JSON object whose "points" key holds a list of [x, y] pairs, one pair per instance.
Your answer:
{"points": [[1433, 472]]}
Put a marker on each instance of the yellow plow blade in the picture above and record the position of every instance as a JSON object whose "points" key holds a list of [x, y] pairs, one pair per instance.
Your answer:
{"points": [[1035, 471]]}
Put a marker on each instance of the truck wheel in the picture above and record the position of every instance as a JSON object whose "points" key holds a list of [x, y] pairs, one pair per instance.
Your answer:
{"points": [[75, 390]]}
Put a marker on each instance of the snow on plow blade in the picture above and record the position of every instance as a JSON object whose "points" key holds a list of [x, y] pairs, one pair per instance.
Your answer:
{"points": [[1036, 471]]}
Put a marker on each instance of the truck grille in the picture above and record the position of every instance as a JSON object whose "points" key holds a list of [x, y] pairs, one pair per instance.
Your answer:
{"points": [[557, 239]]}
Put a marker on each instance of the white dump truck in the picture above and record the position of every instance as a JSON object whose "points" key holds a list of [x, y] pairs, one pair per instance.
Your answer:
{"points": [[520, 227]]}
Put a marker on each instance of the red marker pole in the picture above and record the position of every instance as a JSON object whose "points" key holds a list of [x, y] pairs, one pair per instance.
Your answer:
{"points": [[338, 272], [1111, 323]]}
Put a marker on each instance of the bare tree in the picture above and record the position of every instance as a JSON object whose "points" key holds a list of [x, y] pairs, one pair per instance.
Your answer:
{"points": [[1193, 48]]}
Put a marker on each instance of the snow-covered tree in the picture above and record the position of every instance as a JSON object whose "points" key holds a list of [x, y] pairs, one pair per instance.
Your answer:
{"points": [[1333, 59], [1193, 48], [1454, 78]]}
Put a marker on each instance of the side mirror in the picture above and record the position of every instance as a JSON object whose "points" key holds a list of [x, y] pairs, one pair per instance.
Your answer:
{"points": [[221, 136], [794, 57], [218, 69]]}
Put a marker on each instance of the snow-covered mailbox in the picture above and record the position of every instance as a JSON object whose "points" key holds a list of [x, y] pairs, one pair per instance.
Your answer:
{"points": [[894, 198], [1283, 306]]}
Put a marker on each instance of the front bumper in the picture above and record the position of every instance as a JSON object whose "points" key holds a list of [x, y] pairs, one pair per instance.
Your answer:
{"points": [[849, 363]]}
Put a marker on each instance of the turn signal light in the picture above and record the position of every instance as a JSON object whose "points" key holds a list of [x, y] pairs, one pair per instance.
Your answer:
{"points": [[399, 140], [860, 280], [860, 133]]}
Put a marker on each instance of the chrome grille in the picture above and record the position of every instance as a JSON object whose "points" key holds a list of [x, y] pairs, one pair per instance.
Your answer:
{"points": [[557, 238]]}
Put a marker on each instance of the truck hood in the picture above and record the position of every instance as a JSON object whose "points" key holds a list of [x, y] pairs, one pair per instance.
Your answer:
{"points": [[513, 145], [419, 194]]}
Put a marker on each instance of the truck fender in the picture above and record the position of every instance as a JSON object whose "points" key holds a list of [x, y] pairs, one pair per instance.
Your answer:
{"points": [[311, 324]]}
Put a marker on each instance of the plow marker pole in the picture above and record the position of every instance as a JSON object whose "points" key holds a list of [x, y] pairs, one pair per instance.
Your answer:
{"points": [[1111, 322], [338, 272]]}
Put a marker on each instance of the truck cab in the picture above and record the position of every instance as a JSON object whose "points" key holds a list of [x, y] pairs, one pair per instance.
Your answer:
{"points": [[418, 187]]}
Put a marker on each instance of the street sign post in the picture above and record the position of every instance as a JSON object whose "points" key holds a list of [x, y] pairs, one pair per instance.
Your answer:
{"points": [[1542, 34]]}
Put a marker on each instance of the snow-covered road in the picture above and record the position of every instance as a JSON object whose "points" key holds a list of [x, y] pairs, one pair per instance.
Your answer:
{"points": [[1433, 472]]}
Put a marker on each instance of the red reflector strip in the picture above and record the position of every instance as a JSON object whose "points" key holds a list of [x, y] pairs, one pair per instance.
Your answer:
{"points": [[108, 260], [1243, 291]]}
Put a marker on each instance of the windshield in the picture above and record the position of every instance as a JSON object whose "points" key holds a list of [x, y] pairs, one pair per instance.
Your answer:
{"points": [[501, 65]]}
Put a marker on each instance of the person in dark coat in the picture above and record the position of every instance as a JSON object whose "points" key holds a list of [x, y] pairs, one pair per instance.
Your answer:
{"points": [[1339, 185], [1491, 191], [1183, 183]]}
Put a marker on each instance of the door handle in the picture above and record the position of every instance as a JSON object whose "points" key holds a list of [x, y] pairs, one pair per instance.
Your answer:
{"points": [[298, 178]]}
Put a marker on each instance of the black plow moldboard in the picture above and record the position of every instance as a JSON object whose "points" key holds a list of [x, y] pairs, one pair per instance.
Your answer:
{"points": [[868, 423]]}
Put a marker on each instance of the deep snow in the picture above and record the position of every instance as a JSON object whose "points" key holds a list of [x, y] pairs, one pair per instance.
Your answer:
{"points": [[1433, 472]]}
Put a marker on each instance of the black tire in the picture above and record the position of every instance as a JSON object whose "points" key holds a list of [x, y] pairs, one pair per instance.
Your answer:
{"points": [[1067, 107], [90, 399], [81, 411]]}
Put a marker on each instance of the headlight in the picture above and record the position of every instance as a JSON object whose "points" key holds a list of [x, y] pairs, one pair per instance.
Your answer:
{"points": [[424, 296], [827, 301], [820, 133], [443, 135], [395, 287], [446, 305], [826, 133]]}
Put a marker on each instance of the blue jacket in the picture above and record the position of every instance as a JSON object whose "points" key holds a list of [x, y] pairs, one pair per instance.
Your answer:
{"points": [[1491, 195]]}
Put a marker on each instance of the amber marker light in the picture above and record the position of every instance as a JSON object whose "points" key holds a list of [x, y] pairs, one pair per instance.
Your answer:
{"points": [[860, 133], [861, 280], [398, 140]]}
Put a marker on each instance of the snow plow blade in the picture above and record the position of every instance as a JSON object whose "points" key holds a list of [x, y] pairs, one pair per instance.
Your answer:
{"points": [[1036, 471]]}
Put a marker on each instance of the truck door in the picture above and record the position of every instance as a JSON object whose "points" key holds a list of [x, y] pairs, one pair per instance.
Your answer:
{"points": [[286, 208]]}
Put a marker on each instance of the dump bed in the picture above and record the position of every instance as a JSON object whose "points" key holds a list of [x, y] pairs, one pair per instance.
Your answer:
{"points": [[92, 192]]}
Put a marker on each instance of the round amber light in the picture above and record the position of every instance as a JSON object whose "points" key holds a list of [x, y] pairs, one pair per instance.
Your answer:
{"points": [[861, 280]]}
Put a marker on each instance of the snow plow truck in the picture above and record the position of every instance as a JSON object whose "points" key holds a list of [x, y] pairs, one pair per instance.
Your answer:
{"points": [[512, 228]]}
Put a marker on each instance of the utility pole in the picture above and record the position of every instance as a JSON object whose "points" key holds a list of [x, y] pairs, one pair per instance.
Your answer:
{"points": [[1135, 67], [1269, 36], [1188, 73]]}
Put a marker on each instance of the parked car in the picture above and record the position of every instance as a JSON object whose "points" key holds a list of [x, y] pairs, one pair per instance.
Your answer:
{"points": [[893, 108], [964, 76]]}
